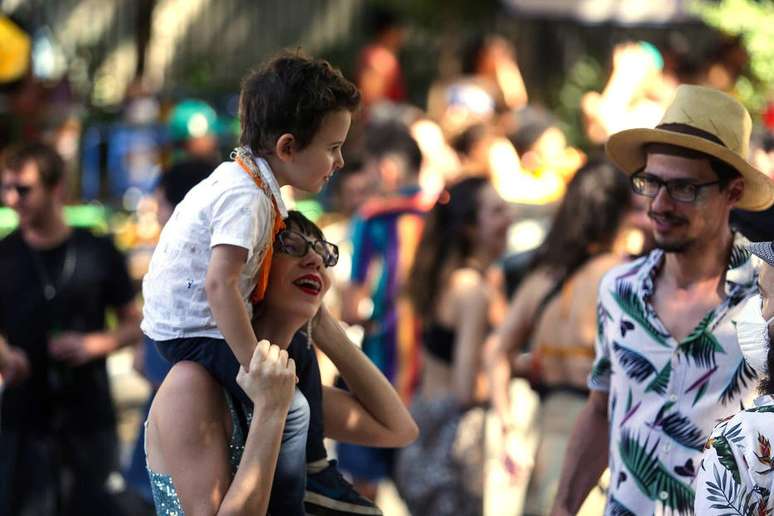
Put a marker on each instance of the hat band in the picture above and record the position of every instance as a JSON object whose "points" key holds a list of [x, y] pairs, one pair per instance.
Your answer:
{"points": [[691, 131]]}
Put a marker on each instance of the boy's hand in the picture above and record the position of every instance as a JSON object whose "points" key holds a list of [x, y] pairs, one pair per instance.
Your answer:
{"points": [[271, 378]]}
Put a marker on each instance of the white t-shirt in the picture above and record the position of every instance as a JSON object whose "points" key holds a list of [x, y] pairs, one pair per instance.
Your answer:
{"points": [[226, 208]]}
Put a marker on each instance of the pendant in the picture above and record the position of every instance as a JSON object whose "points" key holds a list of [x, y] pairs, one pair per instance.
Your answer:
{"points": [[49, 292]]}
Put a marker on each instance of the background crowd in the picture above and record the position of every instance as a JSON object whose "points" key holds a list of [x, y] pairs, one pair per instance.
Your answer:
{"points": [[475, 215]]}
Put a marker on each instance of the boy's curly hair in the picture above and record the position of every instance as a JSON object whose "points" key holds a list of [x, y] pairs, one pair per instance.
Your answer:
{"points": [[291, 93]]}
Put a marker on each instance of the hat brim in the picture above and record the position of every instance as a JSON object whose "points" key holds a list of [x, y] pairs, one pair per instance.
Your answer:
{"points": [[626, 150]]}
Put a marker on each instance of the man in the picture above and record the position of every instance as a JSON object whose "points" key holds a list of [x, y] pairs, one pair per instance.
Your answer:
{"points": [[735, 474], [58, 443], [385, 237], [668, 365]]}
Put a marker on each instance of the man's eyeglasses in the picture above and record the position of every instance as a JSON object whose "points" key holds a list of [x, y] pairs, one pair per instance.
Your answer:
{"points": [[21, 190], [678, 189], [294, 243]]}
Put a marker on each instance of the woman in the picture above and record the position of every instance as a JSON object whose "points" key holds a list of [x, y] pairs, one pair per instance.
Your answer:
{"points": [[199, 459], [464, 234], [553, 313]]}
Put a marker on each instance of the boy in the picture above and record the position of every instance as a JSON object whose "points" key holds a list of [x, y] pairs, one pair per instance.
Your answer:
{"points": [[213, 257]]}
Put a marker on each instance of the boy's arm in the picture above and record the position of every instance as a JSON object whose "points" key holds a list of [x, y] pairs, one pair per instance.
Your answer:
{"points": [[371, 413], [222, 288]]}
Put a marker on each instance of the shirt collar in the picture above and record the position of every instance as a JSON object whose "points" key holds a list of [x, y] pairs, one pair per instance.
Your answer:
{"points": [[740, 274], [271, 181]]}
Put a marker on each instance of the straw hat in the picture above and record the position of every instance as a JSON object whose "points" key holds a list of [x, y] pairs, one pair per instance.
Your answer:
{"points": [[707, 121]]}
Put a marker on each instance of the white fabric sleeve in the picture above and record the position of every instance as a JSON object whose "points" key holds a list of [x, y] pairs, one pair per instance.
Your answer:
{"points": [[240, 217]]}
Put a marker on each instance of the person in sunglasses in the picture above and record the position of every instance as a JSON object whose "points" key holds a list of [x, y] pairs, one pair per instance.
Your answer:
{"points": [[668, 364], [201, 461]]}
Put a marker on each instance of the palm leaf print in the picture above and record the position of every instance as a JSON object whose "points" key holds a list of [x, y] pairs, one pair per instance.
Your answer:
{"points": [[601, 368], [681, 430], [701, 345], [627, 299], [739, 256], [730, 495], [616, 508], [602, 317], [743, 374], [701, 383], [636, 366], [762, 409], [725, 455], [651, 476], [660, 383]]}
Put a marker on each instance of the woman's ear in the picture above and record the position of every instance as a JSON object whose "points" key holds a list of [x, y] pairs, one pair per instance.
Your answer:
{"points": [[285, 147]]}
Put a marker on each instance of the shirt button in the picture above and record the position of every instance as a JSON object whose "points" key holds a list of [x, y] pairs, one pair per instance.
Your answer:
{"points": [[667, 447], [673, 397], [663, 495]]}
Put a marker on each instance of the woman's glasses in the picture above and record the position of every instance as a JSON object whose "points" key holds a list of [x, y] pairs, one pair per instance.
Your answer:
{"points": [[294, 243]]}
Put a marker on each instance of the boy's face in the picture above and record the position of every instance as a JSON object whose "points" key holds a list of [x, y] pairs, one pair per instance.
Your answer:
{"points": [[311, 167]]}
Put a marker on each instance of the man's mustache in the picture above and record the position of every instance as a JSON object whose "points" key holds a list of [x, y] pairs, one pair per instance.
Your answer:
{"points": [[667, 217]]}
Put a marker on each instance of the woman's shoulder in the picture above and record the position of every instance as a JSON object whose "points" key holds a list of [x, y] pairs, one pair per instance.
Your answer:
{"points": [[468, 282]]}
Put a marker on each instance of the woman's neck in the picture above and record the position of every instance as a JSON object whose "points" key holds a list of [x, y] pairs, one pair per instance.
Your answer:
{"points": [[277, 328]]}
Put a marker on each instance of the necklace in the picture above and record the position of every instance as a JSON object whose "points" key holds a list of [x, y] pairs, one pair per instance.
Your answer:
{"points": [[51, 288]]}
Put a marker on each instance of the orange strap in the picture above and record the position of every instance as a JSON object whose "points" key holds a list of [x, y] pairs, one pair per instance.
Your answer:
{"points": [[263, 272]]}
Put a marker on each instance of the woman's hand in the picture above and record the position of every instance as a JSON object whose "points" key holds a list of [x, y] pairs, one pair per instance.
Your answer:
{"points": [[271, 379]]}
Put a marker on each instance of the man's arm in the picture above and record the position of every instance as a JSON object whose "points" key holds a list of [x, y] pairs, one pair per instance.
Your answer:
{"points": [[78, 348], [587, 456]]}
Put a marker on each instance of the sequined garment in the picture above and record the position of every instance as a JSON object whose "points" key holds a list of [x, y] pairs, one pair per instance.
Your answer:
{"points": [[164, 494]]}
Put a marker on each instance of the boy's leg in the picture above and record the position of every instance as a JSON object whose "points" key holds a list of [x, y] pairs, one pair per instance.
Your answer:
{"points": [[327, 492], [216, 356]]}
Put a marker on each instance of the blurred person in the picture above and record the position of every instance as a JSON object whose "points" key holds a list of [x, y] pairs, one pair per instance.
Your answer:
{"points": [[548, 334], [440, 163], [636, 93], [200, 457], [464, 235], [668, 363], [379, 74], [734, 475], [473, 146], [488, 85], [385, 235], [193, 130], [58, 443]]}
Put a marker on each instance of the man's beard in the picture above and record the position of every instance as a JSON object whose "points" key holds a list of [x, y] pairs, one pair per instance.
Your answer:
{"points": [[675, 246]]}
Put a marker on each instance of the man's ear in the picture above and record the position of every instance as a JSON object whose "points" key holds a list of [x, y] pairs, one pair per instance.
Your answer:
{"points": [[285, 147], [735, 189]]}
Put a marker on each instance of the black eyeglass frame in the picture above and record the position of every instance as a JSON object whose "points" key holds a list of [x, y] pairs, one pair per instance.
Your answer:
{"points": [[669, 185], [329, 252]]}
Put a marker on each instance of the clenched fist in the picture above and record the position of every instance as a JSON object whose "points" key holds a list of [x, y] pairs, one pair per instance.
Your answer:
{"points": [[271, 377]]}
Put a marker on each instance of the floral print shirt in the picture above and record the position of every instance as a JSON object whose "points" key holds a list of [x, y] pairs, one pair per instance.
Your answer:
{"points": [[665, 396], [735, 476]]}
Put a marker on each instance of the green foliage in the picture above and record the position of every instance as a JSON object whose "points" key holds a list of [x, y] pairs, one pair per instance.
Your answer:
{"points": [[753, 21]]}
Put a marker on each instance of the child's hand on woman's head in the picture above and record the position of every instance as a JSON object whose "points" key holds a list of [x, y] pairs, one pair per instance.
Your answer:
{"points": [[271, 379]]}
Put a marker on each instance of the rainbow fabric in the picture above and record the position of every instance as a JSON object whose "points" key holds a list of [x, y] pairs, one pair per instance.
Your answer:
{"points": [[385, 235]]}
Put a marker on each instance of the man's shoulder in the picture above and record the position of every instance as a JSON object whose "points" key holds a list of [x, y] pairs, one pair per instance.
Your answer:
{"points": [[11, 242]]}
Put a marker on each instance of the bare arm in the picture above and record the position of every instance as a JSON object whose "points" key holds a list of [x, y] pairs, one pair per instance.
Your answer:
{"points": [[78, 348], [472, 315], [222, 287], [510, 337], [584, 465], [188, 435], [372, 413]]}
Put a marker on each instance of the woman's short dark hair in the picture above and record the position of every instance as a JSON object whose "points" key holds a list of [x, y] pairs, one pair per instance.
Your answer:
{"points": [[291, 94], [50, 165], [298, 221]]}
